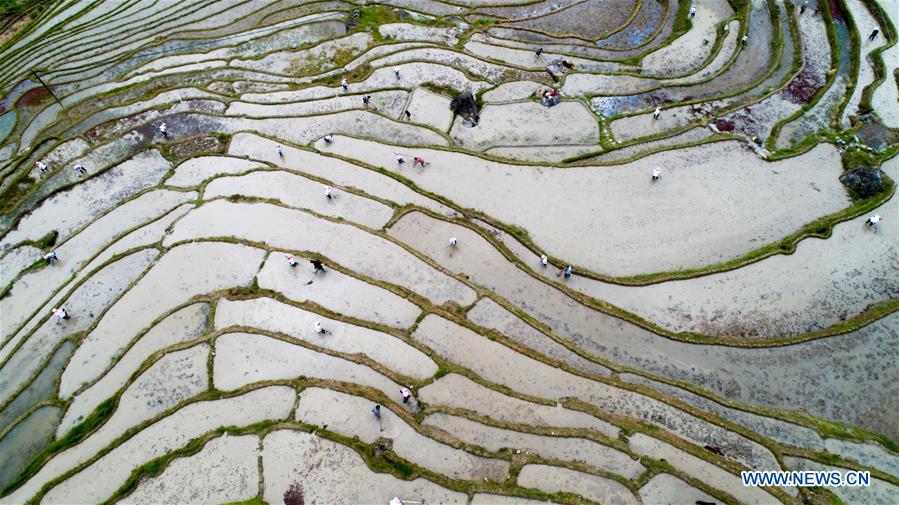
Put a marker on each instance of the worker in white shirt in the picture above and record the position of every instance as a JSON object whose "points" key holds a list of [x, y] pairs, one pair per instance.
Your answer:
{"points": [[61, 314], [873, 221]]}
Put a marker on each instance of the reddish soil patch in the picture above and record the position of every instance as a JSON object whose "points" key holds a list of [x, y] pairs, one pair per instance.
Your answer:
{"points": [[742, 122], [724, 125], [10, 29], [33, 97], [190, 147], [106, 129], [836, 11], [802, 88]]}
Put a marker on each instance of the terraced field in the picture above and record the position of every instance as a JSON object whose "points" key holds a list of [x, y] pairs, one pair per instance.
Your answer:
{"points": [[192, 163]]}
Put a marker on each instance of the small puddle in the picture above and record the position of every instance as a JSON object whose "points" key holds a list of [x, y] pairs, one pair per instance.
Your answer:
{"points": [[12, 96], [42, 388], [844, 39], [645, 24], [26, 440], [7, 122], [610, 106]]}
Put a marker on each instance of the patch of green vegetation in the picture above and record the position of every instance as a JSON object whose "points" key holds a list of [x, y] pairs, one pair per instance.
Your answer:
{"points": [[251, 501], [74, 436], [155, 467], [582, 156], [37, 265], [484, 22], [655, 465], [648, 427], [682, 23], [311, 65], [15, 193], [854, 157], [887, 442], [440, 90], [260, 427], [383, 462], [794, 150], [820, 496], [372, 17], [399, 465], [45, 242], [738, 5], [16, 7], [478, 99], [343, 56], [829, 458], [86, 427], [842, 431], [252, 289], [518, 232], [357, 74]]}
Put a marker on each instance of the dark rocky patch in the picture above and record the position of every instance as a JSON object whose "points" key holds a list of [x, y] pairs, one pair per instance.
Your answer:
{"points": [[465, 105], [864, 181]]}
